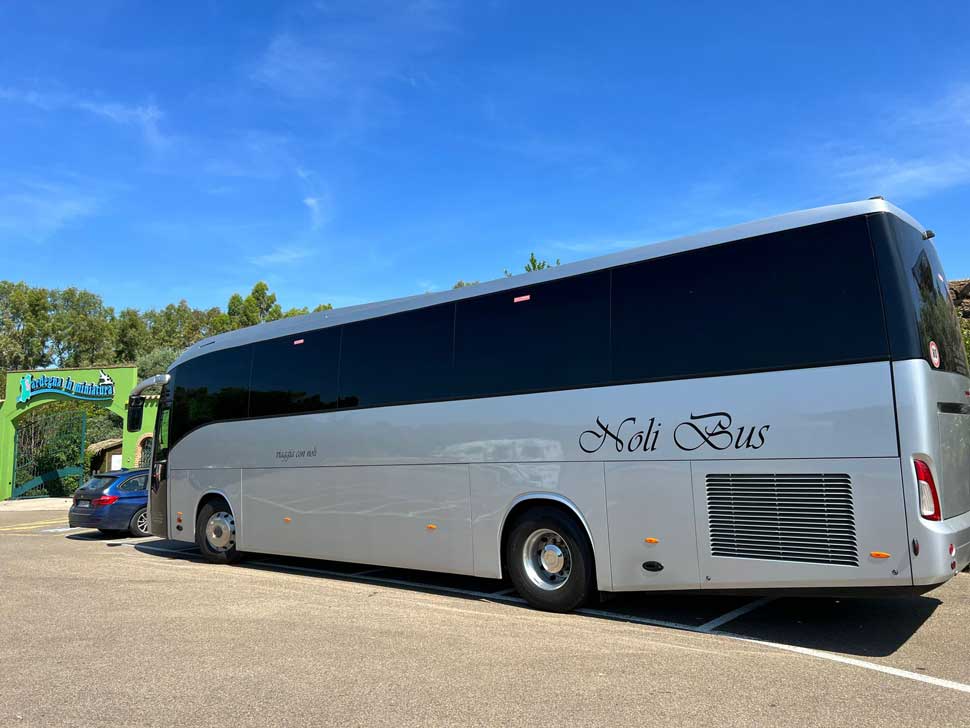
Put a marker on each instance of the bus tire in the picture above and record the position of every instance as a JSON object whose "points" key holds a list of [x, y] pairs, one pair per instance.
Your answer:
{"points": [[549, 560], [215, 533]]}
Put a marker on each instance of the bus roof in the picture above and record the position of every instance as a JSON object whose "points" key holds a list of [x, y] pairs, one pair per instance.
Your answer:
{"points": [[348, 314]]}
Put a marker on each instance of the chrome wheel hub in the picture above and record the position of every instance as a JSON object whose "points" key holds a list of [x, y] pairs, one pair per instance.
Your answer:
{"points": [[220, 531], [552, 558], [546, 559]]}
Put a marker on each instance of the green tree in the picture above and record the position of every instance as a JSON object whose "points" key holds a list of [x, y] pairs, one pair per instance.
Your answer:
{"points": [[157, 361], [464, 284], [303, 310], [533, 264], [179, 326], [131, 337], [256, 308], [25, 326], [80, 329]]}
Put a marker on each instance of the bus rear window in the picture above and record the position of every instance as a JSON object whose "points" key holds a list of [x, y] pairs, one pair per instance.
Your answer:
{"points": [[936, 317]]}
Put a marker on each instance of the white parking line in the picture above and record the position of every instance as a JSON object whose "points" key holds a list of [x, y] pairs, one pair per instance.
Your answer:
{"points": [[929, 679], [620, 617], [60, 530], [704, 629], [734, 614]]}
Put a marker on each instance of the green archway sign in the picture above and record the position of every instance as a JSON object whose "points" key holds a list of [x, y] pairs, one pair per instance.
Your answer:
{"points": [[106, 386]]}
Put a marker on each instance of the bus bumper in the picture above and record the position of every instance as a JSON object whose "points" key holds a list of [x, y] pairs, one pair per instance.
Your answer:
{"points": [[944, 549]]}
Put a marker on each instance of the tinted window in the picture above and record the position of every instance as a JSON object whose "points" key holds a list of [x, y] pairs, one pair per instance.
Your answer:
{"points": [[936, 317], [209, 388], [400, 358], [139, 482], [796, 298], [295, 374], [547, 336], [97, 483]]}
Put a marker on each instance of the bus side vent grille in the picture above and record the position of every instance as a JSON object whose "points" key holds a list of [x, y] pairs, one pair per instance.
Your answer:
{"points": [[783, 517]]}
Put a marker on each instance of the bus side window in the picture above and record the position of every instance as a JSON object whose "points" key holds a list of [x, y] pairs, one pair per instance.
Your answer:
{"points": [[805, 297], [551, 335], [402, 358]]}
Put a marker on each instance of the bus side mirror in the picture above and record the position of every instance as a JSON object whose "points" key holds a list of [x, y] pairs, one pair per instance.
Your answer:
{"points": [[136, 409]]}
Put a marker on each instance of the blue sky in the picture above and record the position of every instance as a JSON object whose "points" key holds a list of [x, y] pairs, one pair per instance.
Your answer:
{"points": [[347, 152]]}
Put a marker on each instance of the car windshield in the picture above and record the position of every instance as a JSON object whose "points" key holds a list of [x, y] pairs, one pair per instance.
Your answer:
{"points": [[98, 482]]}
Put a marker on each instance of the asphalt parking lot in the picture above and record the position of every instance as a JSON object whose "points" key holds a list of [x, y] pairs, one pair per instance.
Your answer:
{"points": [[102, 631]]}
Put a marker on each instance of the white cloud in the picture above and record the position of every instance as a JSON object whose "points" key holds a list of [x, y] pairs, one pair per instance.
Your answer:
{"points": [[907, 178], [249, 155], [35, 211], [282, 256], [917, 150], [145, 117], [297, 70], [354, 54], [591, 247], [313, 203]]}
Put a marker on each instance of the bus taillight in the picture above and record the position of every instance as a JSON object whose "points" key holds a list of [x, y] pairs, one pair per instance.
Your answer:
{"points": [[929, 499]]}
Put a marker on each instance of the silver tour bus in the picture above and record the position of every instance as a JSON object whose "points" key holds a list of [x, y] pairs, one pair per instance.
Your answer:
{"points": [[780, 405]]}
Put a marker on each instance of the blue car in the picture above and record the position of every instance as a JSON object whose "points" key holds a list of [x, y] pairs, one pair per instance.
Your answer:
{"points": [[113, 503]]}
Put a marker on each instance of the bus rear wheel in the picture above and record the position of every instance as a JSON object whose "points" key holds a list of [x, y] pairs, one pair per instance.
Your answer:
{"points": [[549, 560], [215, 533]]}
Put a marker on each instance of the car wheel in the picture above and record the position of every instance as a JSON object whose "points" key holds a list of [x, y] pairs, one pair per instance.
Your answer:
{"points": [[215, 533], [140, 524], [549, 560]]}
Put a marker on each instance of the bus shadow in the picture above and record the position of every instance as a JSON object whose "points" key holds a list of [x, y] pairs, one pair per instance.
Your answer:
{"points": [[865, 627]]}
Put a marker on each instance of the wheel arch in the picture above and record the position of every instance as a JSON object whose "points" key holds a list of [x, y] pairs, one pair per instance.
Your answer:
{"points": [[524, 502], [208, 497]]}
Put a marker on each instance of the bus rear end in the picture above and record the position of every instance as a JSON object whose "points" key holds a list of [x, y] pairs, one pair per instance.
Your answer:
{"points": [[932, 390]]}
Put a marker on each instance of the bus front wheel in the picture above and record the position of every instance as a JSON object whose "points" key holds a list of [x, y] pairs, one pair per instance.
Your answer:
{"points": [[549, 560], [215, 533]]}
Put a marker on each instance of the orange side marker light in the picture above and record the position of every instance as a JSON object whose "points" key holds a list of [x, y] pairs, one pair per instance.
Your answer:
{"points": [[287, 519], [431, 527], [651, 540], [879, 554]]}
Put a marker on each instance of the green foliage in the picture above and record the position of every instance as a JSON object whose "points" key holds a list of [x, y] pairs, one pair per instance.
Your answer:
{"points": [[533, 264], [130, 335], [304, 310], [49, 438], [41, 327], [25, 314], [156, 361], [965, 325], [80, 328], [463, 284]]}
